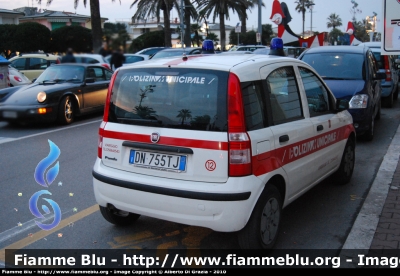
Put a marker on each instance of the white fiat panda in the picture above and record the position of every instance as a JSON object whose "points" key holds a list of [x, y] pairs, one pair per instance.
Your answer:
{"points": [[219, 141]]}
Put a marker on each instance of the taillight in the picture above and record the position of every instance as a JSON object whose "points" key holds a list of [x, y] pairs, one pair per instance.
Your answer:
{"points": [[107, 66], [18, 79], [100, 141], [105, 116], [387, 70], [108, 99], [239, 141]]}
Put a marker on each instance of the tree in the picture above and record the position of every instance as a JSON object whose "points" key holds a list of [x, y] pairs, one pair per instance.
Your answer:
{"points": [[95, 18], [360, 30], [153, 8], [334, 21], [7, 41], [184, 114], [76, 37], [151, 39], [250, 37], [195, 28], [302, 6], [334, 35], [190, 12], [243, 14], [35, 37], [220, 9]]}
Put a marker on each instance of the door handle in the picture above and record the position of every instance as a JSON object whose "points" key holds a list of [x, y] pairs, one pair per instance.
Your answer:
{"points": [[320, 127], [283, 138]]}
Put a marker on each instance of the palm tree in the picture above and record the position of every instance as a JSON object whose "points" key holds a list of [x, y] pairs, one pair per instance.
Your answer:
{"points": [[243, 15], [195, 28], [190, 12], [220, 9], [95, 18], [153, 8], [302, 6], [334, 21], [184, 114]]}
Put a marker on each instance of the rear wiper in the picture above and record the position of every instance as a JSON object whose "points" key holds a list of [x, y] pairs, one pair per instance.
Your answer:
{"points": [[142, 122]]}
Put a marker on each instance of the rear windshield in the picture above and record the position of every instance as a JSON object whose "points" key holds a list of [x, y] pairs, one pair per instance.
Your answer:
{"points": [[170, 98]]}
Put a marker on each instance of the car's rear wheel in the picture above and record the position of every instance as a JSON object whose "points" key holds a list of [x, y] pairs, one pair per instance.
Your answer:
{"points": [[378, 114], [346, 168], [66, 112], [388, 101], [118, 217], [396, 94], [261, 231]]}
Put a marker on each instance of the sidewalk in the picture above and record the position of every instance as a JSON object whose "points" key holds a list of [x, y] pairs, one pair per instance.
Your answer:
{"points": [[377, 226]]}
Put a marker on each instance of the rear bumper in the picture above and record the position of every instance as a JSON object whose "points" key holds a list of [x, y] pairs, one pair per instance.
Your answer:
{"points": [[224, 207]]}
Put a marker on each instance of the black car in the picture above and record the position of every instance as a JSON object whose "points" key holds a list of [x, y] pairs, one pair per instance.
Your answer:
{"points": [[60, 93], [353, 75]]}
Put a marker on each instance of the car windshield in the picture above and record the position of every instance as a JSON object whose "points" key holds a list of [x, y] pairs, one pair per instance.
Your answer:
{"points": [[61, 73], [344, 66]]}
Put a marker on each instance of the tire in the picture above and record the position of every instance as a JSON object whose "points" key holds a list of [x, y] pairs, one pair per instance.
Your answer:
{"points": [[261, 231], [118, 217], [66, 111], [396, 93], [378, 114], [388, 101], [344, 173], [369, 135]]}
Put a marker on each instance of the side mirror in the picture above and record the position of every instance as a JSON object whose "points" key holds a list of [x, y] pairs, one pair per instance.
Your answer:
{"points": [[33, 80], [341, 104], [380, 76], [90, 80]]}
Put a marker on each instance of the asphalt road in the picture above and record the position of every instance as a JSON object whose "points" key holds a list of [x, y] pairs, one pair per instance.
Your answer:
{"points": [[320, 219]]}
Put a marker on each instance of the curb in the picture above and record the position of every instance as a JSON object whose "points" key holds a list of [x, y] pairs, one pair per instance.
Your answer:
{"points": [[365, 225]]}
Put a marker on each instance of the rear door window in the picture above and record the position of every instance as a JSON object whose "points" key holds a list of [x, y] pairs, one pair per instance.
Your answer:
{"points": [[170, 98], [284, 96]]}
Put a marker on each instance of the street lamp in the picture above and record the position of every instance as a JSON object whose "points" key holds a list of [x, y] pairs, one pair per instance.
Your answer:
{"points": [[372, 21], [311, 9]]}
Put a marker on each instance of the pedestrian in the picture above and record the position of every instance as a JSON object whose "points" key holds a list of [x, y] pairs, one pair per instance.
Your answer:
{"points": [[69, 56], [104, 51], [117, 59]]}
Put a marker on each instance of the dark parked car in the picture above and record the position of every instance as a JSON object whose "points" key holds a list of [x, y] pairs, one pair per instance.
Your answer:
{"points": [[387, 64], [61, 92], [352, 74], [170, 52]]}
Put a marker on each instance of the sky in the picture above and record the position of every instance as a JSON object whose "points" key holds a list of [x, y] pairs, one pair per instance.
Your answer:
{"points": [[115, 11]]}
